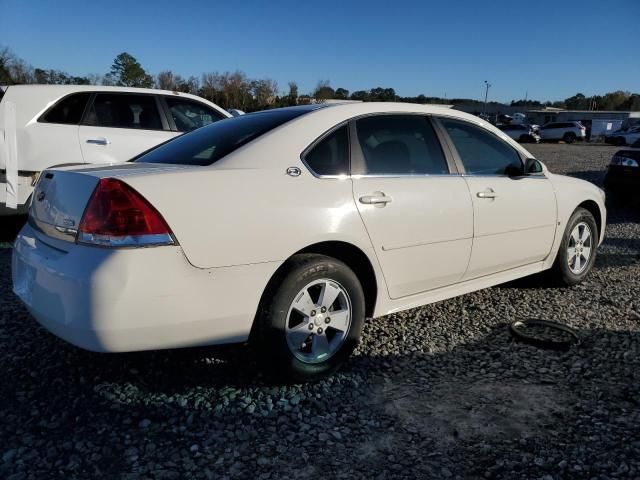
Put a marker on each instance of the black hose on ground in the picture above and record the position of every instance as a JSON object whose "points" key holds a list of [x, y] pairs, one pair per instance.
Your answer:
{"points": [[528, 331]]}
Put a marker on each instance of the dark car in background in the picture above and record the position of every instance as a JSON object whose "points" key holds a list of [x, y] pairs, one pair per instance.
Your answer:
{"points": [[623, 174]]}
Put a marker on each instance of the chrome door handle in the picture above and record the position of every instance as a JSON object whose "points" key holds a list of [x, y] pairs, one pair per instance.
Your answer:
{"points": [[378, 199], [98, 141], [488, 193]]}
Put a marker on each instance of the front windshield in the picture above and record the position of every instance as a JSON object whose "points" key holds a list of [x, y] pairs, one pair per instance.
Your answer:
{"points": [[209, 144]]}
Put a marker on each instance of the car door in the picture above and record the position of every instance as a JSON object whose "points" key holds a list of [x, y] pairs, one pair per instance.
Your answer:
{"points": [[551, 131], [119, 126], [514, 214], [416, 209], [53, 139]]}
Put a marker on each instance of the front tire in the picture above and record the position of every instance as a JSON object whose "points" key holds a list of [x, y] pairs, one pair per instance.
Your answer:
{"points": [[577, 252], [310, 318], [569, 137]]}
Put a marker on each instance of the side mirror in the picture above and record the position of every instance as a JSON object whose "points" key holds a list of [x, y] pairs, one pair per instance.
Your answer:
{"points": [[532, 167]]}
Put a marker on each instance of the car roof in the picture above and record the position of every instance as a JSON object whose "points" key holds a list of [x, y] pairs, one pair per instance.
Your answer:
{"points": [[297, 134], [62, 89], [33, 100]]}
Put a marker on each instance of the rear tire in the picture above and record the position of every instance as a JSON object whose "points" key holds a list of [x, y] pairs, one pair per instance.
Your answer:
{"points": [[577, 252], [295, 337], [569, 137]]}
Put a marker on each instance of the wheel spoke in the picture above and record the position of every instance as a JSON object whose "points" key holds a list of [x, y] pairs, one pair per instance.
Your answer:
{"points": [[571, 252], [298, 334], [328, 295], [304, 304], [576, 265], [585, 234], [340, 320], [586, 253], [319, 345], [575, 234]]}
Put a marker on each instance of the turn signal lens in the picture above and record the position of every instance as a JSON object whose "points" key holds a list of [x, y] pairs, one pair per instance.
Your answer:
{"points": [[118, 216]]}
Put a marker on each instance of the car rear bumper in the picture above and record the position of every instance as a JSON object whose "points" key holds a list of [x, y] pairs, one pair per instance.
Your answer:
{"points": [[115, 300]]}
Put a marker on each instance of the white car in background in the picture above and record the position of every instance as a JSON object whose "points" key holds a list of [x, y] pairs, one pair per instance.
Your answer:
{"points": [[46, 125], [568, 132], [522, 133], [286, 228], [624, 137]]}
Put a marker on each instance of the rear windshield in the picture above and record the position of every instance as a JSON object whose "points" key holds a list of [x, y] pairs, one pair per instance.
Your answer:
{"points": [[209, 144]]}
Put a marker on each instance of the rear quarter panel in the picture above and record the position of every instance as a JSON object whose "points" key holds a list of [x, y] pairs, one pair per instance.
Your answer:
{"points": [[224, 217]]}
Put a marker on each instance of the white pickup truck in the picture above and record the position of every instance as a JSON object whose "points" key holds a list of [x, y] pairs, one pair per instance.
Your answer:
{"points": [[46, 125]]}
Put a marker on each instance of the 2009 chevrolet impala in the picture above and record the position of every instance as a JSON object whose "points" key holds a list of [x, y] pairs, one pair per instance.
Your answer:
{"points": [[288, 227]]}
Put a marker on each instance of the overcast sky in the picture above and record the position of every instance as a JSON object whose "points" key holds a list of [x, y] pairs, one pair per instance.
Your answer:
{"points": [[547, 49]]}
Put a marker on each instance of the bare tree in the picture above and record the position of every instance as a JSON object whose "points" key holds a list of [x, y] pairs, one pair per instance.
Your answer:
{"points": [[95, 79], [323, 90], [14, 70], [210, 86], [264, 92], [165, 80], [293, 94]]}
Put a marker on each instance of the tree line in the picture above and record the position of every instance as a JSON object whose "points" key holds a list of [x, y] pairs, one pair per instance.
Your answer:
{"points": [[236, 90]]}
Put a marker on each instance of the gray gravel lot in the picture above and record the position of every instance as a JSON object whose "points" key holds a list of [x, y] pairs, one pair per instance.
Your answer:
{"points": [[436, 392]]}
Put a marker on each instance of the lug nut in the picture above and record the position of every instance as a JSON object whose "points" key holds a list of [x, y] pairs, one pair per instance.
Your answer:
{"points": [[313, 313], [311, 326], [320, 331], [323, 309], [327, 320]]}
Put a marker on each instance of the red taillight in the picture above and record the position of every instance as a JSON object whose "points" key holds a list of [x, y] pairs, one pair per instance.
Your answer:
{"points": [[117, 215]]}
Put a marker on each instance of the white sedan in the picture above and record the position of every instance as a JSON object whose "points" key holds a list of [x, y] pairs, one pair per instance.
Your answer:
{"points": [[286, 228]]}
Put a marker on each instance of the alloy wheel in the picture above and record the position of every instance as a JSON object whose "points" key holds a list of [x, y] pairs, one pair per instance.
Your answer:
{"points": [[579, 248], [318, 321]]}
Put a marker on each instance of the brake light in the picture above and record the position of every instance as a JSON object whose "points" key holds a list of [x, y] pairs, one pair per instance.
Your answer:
{"points": [[118, 216]]}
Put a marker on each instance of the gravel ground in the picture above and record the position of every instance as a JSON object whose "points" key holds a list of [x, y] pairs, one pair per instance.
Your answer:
{"points": [[436, 392]]}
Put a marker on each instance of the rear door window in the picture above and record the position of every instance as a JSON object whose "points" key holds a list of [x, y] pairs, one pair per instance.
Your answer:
{"points": [[189, 115], [68, 110], [330, 156], [400, 145], [123, 110]]}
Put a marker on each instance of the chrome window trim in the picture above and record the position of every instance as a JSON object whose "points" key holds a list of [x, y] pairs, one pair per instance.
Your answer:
{"points": [[403, 175]]}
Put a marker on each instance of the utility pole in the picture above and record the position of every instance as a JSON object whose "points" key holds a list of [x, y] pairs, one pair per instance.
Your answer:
{"points": [[486, 95]]}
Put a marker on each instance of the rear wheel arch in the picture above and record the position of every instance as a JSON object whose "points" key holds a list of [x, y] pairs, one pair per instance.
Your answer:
{"points": [[357, 261], [347, 253]]}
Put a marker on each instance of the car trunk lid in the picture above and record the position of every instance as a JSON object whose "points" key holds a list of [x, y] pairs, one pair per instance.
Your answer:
{"points": [[61, 195]]}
